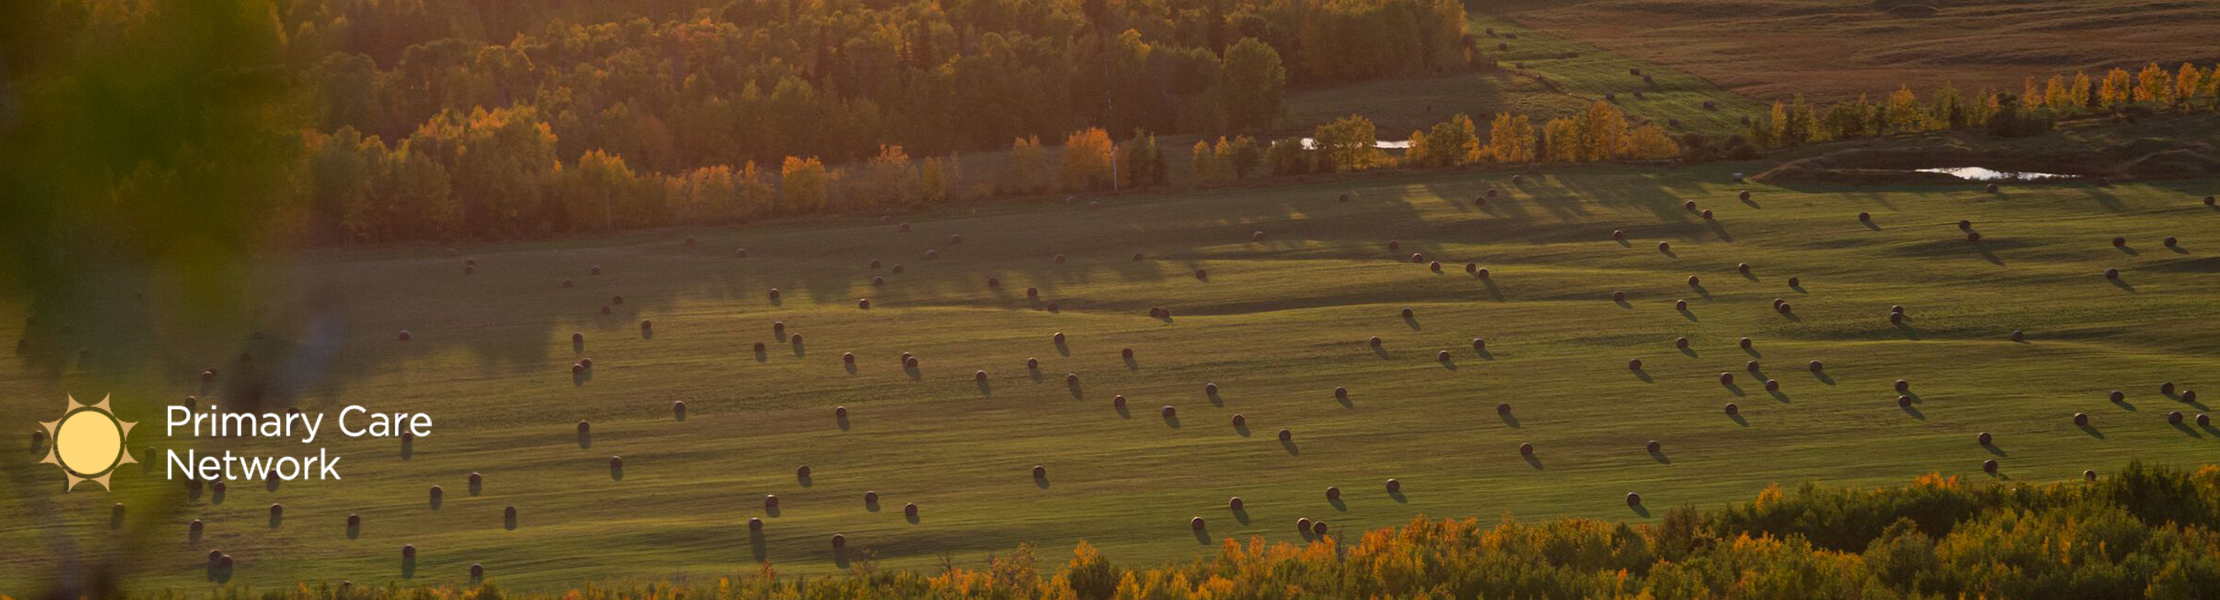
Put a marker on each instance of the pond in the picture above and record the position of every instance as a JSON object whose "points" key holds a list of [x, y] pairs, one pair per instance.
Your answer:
{"points": [[1310, 144], [1987, 174]]}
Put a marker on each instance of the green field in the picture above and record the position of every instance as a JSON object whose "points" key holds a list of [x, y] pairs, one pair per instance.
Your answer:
{"points": [[1278, 324]]}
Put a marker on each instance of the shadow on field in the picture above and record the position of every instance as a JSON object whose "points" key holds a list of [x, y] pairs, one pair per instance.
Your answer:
{"points": [[1338, 505], [1290, 446], [1531, 461], [1738, 420], [1172, 421], [986, 389], [1242, 515], [2092, 431], [756, 544], [1661, 458], [1643, 375], [1638, 509], [1914, 412]]}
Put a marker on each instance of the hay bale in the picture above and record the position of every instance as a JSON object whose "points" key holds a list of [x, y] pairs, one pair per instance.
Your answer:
{"points": [[1903, 401], [759, 347], [1794, 282], [1040, 472], [1032, 363], [1680, 305], [1983, 439], [1344, 197], [616, 462], [994, 282], [2189, 396], [2173, 417], [584, 428], [1772, 385], [1395, 246], [878, 281], [1168, 411], [1503, 408], [1689, 205], [2118, 396], [577, 368], [2166, 388], [1693, 281], [910, 510], [774, 294], [956, 239], [1059, 259], [2113, 274], [277, 511], [1526, 449], [1634, 365], [1210, 389], [1256, 236], [840, 412], [1751, 366], [1136, 257], [408, 551], [1989, 466], [1654, 447], [979, 376], [1234, 503], [770, 502], [2170, 242], [1482, 273], [740, 253], [796, 339], [1287, 436], [897, 270], [2090, 475], [207, 375], [2019, 336], [1333, 493], [404, 335], [1903, 386], [874, 264], [1071, 378], [1434, 266], [1407, 313], [577, 338], [1479, 344], [2119, 242], [477, 571], [1733, 410], [1896, 318], [595, 270], [1706, 214], [1618, 296], [678, 409], [1993, 188], [839, 541], [1747, 344], [1418, 259], [1318, 528], [1202, 275], [1726, 378], [1618, 234], [616, 299], [354, 522], [1128, 352], [1744, 196], [1033, 293], [1785, 308], [1473, 268], [2081, 419], [1681, 343], [2204, 420], [1633, 499], [1664, 246], [932, 254], [1195, 523], [755, 524], [1302, 525], [1442, 356], [1240, 420]]}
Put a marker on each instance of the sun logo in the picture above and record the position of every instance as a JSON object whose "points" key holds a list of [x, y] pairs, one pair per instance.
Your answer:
{"points": [[88, 442]]}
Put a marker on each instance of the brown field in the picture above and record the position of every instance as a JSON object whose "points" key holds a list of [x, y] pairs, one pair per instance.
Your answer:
{"points": [[1834, 49]]}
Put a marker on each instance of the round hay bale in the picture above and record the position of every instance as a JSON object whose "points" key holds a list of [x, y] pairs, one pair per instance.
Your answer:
{"points": [[1733, 410], [740, 253], [1680, 305], [588, 362], [1785, 308], [1706, 214], [577, 338], [774, 294], [207, 375], [1634, 365], [1071, 378], [1058, 338], [910, 510], [408, 551], [1633, 499], [1690, 205], [1040, 472], [840, 412], [2113, 274], [1442, 356], [1395, 246], [848, 358], [1817, 367], [878, 281], [2081, 419], [1234, 503], [1302, 525], [1434, 266], [1903, 401], [1375, 341], [678, 409], [1693, 281], [277, 511], [1664, 246], [1973, 236], [1993, 188], [1618, 234], [759, 346], [1287, 436], [1344, 197], [2118, 396], [1473, 268], [354, 522], [1127, 353], [616, 462], [796, 339], [1059, 259], [1744, 196], [1256, 236], [1618, 296], [1654, 447], [897, 270], [1033, 293], [1210, 389], [478, 480], [904, 228], [2189, 396], [932, 254], [2204, 420], [1407, 313], [2173, 417], [1983, 439], [1240, 420], [2166, 388], [1136, 257], [1032, 363], [1681, 343], [2208, 201], [755, 524], [956, 239], [585, 428], [1989, 466], [1333, 493], [1896, 318], [1743, 268], [1903, 386], [1195, 523], [2119, 242], [1526, 449], [2090, 475], [770, 502], [1318, 528], [1483, 273], [404, 335], [839, 541], [1503, 408], [1726, 378], [595, 270], [1168, 411], [577, 368], [477, 571], [1772, 385], [994, 282], [616, 299], [2170, 242], [1418, 259], [1746, 344], [1794, 282], [979, 376], [2019, 336], [874, 264], [1751, 366]]}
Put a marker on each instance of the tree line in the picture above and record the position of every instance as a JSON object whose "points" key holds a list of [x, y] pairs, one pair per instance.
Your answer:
{"points": [[2142, 533], [2031, 111]]}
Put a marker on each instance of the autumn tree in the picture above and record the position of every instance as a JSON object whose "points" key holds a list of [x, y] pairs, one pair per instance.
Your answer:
{"points": [[2153, 86], [1347, 143], [1244, 156], [2188, 83], [2118, 88], [1253, 82], [803, 186], [1448, 143], [1511, 139], [1086, 160], [1028, 166]]}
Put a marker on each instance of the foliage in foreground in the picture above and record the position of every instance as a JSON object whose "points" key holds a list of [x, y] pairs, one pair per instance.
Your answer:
{"points": [[2143, 533]]}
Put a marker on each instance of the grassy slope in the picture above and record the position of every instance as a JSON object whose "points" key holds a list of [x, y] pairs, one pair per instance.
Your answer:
{"points": [[1277, 326], [1588, 72]]}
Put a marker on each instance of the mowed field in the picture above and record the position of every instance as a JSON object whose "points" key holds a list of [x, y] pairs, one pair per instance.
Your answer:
{"points": [[1837, 49], [1278, 324]]}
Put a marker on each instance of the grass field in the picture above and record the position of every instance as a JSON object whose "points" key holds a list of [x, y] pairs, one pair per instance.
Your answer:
{"points": [[1837, 49], [1278, 324]]}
